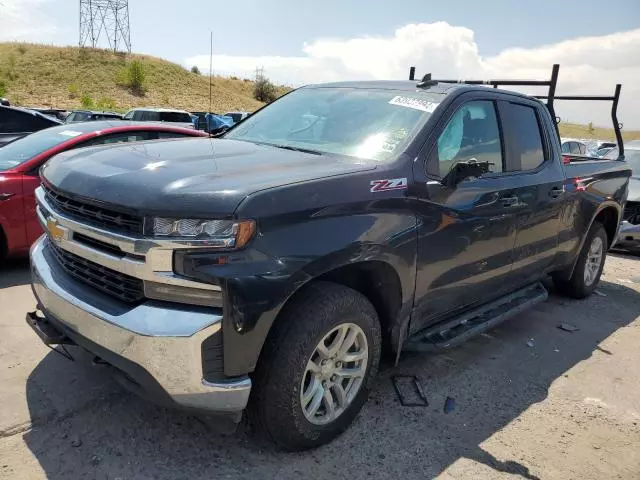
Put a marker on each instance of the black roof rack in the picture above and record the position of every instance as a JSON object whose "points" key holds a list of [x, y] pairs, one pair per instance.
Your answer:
{"points": [[550, 97]]}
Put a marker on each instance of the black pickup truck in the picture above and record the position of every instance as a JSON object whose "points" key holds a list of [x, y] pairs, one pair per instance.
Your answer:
{"points": [[268, 270]]}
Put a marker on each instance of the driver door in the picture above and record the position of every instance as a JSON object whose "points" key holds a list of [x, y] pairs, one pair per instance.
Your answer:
{"points": [[467, 225]]}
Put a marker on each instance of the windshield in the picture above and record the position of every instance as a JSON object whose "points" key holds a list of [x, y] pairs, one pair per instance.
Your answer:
{"points": [[365, 123], [25, 148]]}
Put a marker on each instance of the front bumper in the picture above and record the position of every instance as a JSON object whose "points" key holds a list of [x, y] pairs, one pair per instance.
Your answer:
{"points": [[158, 346], [628, 236]]}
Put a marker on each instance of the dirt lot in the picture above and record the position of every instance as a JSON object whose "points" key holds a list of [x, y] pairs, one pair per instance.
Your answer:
{"points": [[530, 400]]}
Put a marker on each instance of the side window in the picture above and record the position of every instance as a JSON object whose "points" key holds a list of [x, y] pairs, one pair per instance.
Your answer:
{"points": [[574, 148], [528, 152], [117, 138], [138, 115], [583, 148], [161, 135], [471, 134], [565, 147], [129, 115]]}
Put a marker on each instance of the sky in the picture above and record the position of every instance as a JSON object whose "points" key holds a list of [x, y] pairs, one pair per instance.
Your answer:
{"points": [[597, 43]]}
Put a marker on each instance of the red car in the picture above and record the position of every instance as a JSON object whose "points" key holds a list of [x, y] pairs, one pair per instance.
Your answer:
{"points": [[21, 160]]}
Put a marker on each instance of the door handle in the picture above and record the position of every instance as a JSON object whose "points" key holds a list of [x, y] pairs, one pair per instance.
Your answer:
{"points": [[556, 192], [509, 201]]}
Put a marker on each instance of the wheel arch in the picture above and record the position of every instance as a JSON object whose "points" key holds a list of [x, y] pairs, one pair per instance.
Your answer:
{"points": [[608, 213]]}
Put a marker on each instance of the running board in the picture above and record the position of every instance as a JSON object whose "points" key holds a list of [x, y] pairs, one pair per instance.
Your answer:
{"points": [[452, 333]]}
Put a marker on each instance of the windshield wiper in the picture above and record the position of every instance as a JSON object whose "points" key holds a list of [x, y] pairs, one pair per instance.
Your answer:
{"points": [[295, 149]]}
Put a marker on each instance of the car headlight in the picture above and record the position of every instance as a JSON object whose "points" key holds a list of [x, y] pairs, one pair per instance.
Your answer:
{"points": [[214, 233]]}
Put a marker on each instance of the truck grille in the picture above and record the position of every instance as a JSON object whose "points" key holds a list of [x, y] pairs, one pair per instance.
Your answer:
{"points": [[96, 215], [632, 213], [116, 284]]}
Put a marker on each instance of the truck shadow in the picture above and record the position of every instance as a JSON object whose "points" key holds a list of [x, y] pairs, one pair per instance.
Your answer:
{"points": [[493, 379], [15, 272]]}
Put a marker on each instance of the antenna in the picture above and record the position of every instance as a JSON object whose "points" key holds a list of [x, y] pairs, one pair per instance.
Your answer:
{"points": [[105, 18]]}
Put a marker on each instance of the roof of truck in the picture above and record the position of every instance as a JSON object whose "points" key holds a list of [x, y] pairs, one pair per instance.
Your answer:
{"points": [[411, 86]]}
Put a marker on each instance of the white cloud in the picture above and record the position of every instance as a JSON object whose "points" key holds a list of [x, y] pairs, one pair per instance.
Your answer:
{"points": [[23, 20], [589, 65]]}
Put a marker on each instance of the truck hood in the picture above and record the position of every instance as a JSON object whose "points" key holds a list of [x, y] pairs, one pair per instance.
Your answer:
{"points": [[634, 189], [197, 177]]}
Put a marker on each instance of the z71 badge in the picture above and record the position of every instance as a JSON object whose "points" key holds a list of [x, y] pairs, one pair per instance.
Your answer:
{"points": [[388, 184]]}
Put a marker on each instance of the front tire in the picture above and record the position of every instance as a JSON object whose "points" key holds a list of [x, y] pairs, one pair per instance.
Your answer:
{"points": [[317, 368], [589, 266]]}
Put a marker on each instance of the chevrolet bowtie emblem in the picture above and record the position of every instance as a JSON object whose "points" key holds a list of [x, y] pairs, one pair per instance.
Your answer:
{"points": [[55, 231]]}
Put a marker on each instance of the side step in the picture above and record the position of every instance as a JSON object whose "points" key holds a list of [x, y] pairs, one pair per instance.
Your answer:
{"points": [[452, 333]]}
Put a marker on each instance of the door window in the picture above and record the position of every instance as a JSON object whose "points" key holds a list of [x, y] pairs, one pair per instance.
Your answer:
{"points": [[117, 138], [129, 115], [528, 151], [13, 121], [575, 148], [471, 134]]}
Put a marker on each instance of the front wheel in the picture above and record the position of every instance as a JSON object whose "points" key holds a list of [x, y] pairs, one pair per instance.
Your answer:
{"points": [[317, 368], [589, 266]]}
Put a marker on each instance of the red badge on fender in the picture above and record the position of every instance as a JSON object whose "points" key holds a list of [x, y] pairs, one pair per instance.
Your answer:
{"points": [[388, 184]]}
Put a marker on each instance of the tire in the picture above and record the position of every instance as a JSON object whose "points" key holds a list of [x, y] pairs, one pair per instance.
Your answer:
{"points": [[581, 285], [282, 377]]}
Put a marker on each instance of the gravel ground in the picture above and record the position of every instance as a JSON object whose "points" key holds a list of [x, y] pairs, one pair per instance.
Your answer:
{"points": [[527, 400]]}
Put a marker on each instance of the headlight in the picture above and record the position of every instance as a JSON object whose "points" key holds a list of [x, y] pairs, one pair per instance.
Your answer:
{"points": [[215, 233]]}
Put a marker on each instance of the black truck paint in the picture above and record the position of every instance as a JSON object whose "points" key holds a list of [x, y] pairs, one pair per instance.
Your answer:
{"points": [[421, 246], [437, 250]]}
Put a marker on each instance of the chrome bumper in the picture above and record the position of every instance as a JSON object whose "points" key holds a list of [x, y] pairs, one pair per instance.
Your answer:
{"points": [[628, 235], [165, 342]]}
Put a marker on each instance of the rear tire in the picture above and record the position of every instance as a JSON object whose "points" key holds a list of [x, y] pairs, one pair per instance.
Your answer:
{"points": [[589, 266], [304, 393]]}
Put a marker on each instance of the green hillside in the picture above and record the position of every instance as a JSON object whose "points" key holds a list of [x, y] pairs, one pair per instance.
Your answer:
{"points": [[41, 75]]}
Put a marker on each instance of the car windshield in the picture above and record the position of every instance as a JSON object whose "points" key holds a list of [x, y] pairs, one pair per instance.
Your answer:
{"points": [[25, 148], [365, 123]]}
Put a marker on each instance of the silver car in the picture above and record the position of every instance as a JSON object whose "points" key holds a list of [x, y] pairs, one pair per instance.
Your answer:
{"points": [[629, 236]]}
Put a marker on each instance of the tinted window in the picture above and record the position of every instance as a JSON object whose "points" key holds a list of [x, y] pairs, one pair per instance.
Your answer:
{"points": [[528, 152], [129, 115], [175, 117], [79, 117], [161, 135], [471, 134], [364, 123], [565, 147], [139, 115], [118, 138], [574, 148]]}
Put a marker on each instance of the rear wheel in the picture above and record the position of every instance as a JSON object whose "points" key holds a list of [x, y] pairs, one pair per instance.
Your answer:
{"points": [[589, 266], [317, 368]]}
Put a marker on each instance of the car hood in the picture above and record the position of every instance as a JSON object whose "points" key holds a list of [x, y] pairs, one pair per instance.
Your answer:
{"points": [[197, 177], [634, 189]]}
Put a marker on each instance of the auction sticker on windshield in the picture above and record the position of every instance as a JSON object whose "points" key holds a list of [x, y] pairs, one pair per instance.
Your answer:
{"points": [[415, 103]]}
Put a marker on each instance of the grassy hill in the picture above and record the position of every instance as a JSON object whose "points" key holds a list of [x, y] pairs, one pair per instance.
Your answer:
{"points": [[41, 75], [571, 130]]}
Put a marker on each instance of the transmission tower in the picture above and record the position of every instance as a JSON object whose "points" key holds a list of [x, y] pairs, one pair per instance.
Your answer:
{"points": [[105, 18]]}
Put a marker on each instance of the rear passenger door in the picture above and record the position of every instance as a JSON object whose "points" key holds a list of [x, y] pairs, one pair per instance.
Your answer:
{"points": [[537, 183]]}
